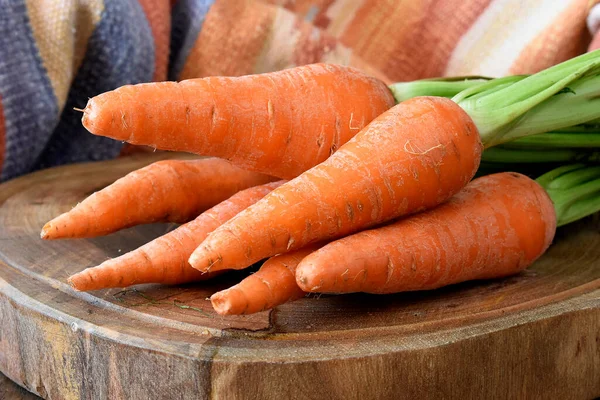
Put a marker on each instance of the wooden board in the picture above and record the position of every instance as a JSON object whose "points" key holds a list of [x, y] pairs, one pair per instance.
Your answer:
{"points": [[11, 391], [535, 335]]}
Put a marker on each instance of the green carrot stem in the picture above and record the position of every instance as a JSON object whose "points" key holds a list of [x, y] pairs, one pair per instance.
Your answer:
{"points": [[557, 139], [586, 205], [564, 109], [512, 155], [475, 92], [574, 190], [588, 127], [519, 106], [442, 87], [549, 180], [564, 95]]}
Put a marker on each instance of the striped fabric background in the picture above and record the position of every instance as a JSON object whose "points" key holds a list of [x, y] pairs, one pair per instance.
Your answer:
{"points": [[54, 54]]}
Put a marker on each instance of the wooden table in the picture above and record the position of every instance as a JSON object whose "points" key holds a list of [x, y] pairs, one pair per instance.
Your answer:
{"points": [[534, 335]]}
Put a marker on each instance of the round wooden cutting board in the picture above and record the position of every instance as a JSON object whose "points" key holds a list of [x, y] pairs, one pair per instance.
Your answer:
{"points": [[535, 335]]}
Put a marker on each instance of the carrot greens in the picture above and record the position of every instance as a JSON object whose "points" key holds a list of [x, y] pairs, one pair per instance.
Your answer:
{"points": [[574, 190], [514, 107]]}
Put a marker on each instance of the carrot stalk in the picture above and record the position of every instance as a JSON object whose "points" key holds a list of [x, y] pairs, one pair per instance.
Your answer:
{"points": [[446, 245], [280, 123], [577, 137], [574, 190], [169, 190], [504, 155], [164, 260], [442, 87], [473, 93], [272, 285], [564, 95], [411, 158]]}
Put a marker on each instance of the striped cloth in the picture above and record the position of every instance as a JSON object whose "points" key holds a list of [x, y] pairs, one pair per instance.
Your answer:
{"points": [[55, 54]]}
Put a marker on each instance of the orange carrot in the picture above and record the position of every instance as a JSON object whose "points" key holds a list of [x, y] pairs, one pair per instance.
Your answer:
{"points": [[412, 157], [273, 284], [280, 123], [164, 260], [170, 190], [496, 226]]}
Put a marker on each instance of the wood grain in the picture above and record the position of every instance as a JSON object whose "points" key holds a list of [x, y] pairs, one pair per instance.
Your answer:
{"points": [[11, 391], [535, 335]]}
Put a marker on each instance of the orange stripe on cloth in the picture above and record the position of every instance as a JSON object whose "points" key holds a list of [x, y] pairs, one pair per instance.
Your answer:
{"points": [[158, 14], [233, 34], [312, 9], [330, 15], [564, 38], [245, 37], [294, 41], [308, 44], [314, 45], [2, 135], [409, 40]]}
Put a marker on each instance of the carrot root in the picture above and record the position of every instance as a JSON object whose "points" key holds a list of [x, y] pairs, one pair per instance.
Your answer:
{"points": [[164, 260], [411, 158], [280, 123], [272, 285], [170, 191], [497, 226]]}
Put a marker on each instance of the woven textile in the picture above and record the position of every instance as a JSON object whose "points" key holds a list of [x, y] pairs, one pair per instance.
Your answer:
{"points": [[55, 54]]}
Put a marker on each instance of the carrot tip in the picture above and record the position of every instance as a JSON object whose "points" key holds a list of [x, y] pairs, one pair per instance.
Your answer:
{"points": [[221, 304], [72, 281], [307, 278], [194, 262], [45, 233]]}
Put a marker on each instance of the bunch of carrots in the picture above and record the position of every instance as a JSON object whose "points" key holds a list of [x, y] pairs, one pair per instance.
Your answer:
{"points": [[341, 183]]}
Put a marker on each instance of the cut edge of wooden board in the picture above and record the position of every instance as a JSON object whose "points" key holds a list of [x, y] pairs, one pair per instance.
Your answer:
{"points": [[390, 341], [215, 366]]}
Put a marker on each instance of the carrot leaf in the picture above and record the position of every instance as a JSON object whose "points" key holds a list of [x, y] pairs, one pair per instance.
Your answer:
{"points": [[561, 96], [525, 155], [574, 138]]}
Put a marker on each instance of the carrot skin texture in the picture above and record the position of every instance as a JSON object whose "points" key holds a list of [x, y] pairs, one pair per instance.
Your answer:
{"points": [[169, 191], [411, 158], [497, 226], [164, 260], [273, 284], [279, 123]]}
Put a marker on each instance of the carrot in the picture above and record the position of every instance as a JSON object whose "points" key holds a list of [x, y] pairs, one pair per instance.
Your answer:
{"points": [[273, 284], [395, 166], [164, 260], [456, 237], [411, 158], [496, 226], [280, 123], [170, 190]]}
